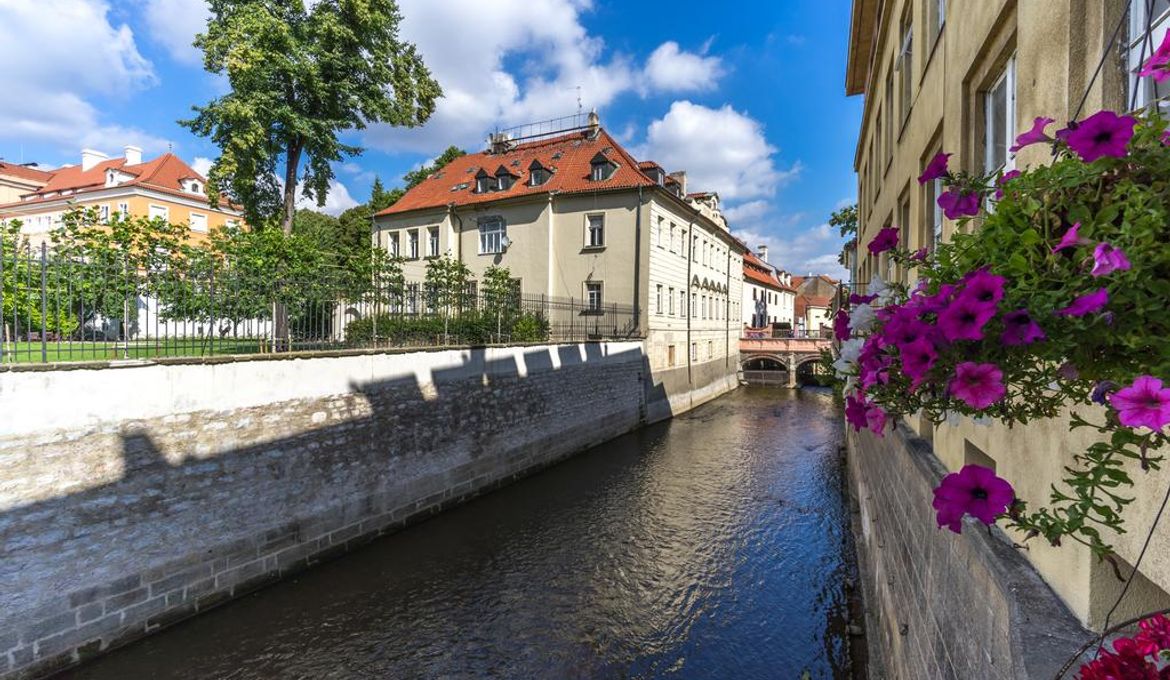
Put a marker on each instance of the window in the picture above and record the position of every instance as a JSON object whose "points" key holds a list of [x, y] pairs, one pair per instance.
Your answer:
{"points": [[931, 234], [905, 68], [433, 242], [710, 349], [504, 179], [670, 358], [412, 297], [484, 182], [682, 304], [104, 213], [198, 222], [703, 306], [937, 18], [537, 174], [904, 226], [412, 244], [1141, 14], [392, 244], [671, 237], [670, 301], [593, 295], [694, 305], [158, 212], [601, 168], [658, 299], [1000, 120], [694, 248], [694, 351], [594, 231], [124, 209], [491, 235], [659, 231]]}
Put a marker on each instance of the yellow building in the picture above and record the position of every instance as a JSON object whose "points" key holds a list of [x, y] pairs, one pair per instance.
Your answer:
{"points": [[965, 78], [164, 187]]}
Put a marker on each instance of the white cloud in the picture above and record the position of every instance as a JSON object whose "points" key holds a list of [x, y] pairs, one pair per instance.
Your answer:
{"points": [[202, 165], [669, 69], [174, 24], [57, 55], [813, 250], [721, 150], [746, 212], [337, 202]]}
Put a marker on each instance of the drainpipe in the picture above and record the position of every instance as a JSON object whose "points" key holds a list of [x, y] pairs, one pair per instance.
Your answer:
{"points": [[458, 232], [727, 314], [637, 263]]}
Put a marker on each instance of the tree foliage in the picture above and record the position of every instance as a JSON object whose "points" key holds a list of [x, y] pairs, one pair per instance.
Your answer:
{"points": [[845, 220], [300, 76]]}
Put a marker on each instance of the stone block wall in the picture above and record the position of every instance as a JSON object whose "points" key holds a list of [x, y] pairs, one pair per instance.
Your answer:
{"points": [[133, 496], [941, 605]]}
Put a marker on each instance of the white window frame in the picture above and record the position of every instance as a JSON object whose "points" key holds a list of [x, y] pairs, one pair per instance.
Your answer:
{"points": [[597, 230], [191, 218], [412, 244], [670, 301], [905, 69], [595, 296], [492, 232], [1135, 57], [1008, 79], [393, 243], [658, 299], [682, 303], [162, 211], [124, 209], [432, 241], [104, 213]]}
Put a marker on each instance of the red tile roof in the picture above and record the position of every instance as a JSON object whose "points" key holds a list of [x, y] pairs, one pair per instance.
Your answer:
{"points": [[568, 156], [24, 172], [759, 272], [159, 174]]}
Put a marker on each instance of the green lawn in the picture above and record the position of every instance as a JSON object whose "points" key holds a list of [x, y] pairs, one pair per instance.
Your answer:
{"points": [[30, 352]]}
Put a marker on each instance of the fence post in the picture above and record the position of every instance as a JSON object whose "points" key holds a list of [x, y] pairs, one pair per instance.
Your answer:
{"points": [[572, 320], [44, 305], [125, 308]]}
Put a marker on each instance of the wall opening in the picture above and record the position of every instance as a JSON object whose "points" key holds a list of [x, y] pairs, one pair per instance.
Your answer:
{"points": [[973, 455]]}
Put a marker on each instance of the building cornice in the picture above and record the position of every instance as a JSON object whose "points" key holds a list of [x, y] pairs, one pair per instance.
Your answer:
{"points": [[106, 194]]}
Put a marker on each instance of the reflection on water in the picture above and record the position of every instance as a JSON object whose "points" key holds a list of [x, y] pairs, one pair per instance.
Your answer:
{"points": [[713, 546]]}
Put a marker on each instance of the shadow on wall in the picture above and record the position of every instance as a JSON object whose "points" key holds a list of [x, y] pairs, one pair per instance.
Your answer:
{"points": [[284, 486]]}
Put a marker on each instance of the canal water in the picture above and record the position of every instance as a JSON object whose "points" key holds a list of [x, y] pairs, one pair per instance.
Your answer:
{"points": [[716, 545]]}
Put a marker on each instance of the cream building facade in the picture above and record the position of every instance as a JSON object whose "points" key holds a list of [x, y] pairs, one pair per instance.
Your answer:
{"points": [[573, 216], [965, 78]]}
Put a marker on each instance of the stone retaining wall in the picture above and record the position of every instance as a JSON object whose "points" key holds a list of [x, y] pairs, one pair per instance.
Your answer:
{"points": [[132, 497]]}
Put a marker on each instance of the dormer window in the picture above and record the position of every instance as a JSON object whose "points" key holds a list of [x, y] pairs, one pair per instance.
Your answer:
{"points": [[504, 179], [538, 174], [484, 182], [601, 168]]}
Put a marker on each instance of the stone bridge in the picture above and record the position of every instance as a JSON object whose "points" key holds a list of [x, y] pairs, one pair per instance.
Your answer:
{"points": [[776, 360]]}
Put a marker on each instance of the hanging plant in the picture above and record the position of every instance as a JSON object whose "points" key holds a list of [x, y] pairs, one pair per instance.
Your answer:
{"points": [[1057, 299]]}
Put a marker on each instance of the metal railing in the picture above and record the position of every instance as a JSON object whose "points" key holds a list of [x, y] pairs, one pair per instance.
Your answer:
{"points": [[56, 309]]}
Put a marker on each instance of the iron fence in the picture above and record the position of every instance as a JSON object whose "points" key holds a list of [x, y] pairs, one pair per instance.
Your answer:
{"points": [[57, 309]]}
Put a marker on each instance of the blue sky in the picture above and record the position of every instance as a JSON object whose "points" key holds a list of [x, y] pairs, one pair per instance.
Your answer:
{"points": [[749, 99]]}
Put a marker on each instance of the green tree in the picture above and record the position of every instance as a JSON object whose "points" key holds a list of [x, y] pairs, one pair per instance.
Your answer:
{"points": [[845, 220], [300, 76], [415, 177]]}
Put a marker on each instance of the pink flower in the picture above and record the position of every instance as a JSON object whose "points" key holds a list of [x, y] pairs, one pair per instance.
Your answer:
{"points": [[1166, 134], [1004, 179], [983, 286], [919, 255], [918, 358], [1107, 259], [977, 385], [964, 319], [975, 491], [1154, 635], [937, 167], [1020, 329], [1158, 63], [1145, 403], [841, 325], [855, 299], [1126, 662], [875, 419], [1102, 134], [1033, 136], [885, 240], [859, 413], [1071, 239], [956, 203], [1086, 304]]}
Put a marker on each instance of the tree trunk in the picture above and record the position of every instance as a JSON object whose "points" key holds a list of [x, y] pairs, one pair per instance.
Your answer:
{"points": [[281, 341]]}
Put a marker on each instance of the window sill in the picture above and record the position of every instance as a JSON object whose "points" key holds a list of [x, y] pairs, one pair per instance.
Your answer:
{"points": [[492, 252], [586, 249]]}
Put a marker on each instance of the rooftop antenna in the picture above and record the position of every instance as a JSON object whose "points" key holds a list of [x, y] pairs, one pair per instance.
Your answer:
{"points": [[579, 107]]}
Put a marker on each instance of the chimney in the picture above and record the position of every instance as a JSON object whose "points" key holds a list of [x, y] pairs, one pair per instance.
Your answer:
{"points": [[133, 155], [594, 122], [763, 252], [499, 142], [90, 158], [680, 176]]}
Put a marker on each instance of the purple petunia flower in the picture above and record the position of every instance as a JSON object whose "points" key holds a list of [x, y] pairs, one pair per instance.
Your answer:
{"points": [[1101, 391], [1033, 136], [964, 319], [1102, 134], [1004, 179], [1107, 259], [1158, 65], [918, 358], [974, 490], [1145, 403], [937, 167], [1086, 304], [1020, 329], [841, 325], [1070, 239], [983, 286], [885, 240], [977, 385], [957, 203], [919, 255], [860, 412], [855, 299]]}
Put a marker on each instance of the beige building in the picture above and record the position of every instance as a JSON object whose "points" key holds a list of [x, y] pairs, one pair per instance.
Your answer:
{"points": [[164, 187], [768, 295], [572, 215], [965, 78]]}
